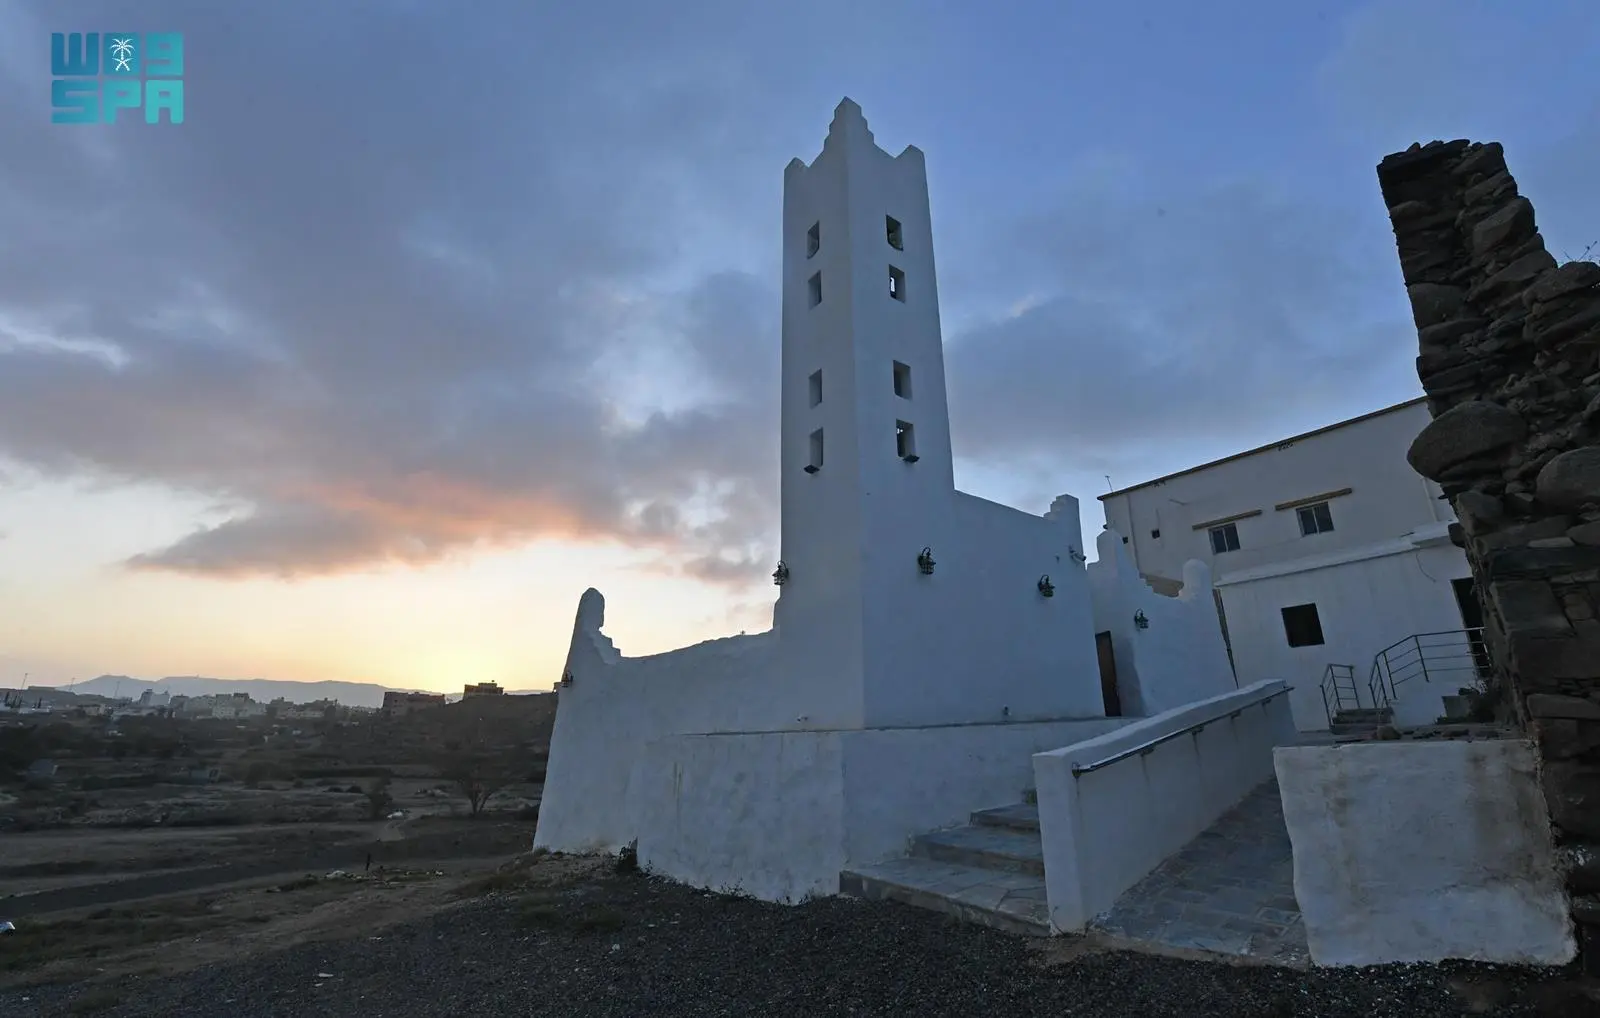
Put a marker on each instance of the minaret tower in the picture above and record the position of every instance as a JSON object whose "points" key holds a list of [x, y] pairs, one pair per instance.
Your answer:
{"points": [[867, 477]]}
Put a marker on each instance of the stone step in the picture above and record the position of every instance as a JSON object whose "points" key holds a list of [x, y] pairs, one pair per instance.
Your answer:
{"points": [[1018, 816], [1005, 849], [1014, 902], [1353, 714], [1362, 728]]}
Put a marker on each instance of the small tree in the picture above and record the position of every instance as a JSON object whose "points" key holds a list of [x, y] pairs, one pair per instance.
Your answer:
{"points": [[476, 776], [378, 798]]}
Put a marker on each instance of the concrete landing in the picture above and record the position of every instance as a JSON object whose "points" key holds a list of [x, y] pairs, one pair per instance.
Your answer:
{"points": [[989, 872], [1229, 891]]}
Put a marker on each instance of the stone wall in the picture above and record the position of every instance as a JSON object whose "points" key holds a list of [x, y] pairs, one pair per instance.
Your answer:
{"points": [[1510, 360]]}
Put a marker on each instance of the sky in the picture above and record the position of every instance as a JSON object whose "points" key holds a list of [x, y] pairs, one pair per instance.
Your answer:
{"points": [[432, 315]]}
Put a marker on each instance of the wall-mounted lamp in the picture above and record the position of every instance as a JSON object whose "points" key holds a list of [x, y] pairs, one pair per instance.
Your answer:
{"points": [[925, 562], [566, 678], [1139, 621], [1076, 555], [780, 575], [1046, 588], [811, 468], [911, 457]]}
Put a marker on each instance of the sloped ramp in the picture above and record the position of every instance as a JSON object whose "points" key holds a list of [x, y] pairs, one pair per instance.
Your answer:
{"points": [[1229, 891]]}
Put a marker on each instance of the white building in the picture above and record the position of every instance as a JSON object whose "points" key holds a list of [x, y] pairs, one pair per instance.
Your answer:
{"points": [[1328, 549], [925, 643]]}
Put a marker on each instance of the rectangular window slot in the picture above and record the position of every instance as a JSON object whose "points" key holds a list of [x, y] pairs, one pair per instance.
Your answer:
{"points": [[905, 441], [1302, 626], [1155, 535], [813, 240], [814, 286], [902, 380], [816, 452], [897, 284], [1225, 538], [1315, 519], [816, 387], [896, 238]]}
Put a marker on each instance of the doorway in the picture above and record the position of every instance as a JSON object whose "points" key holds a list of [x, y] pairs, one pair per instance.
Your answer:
{"points": [[1108, 674], [1471, 609]]}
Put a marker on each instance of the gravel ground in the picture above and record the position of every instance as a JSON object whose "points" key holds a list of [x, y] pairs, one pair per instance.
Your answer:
{"points": [[631, 946]]}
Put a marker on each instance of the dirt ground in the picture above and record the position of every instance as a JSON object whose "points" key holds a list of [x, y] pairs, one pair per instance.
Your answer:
{"points": [[576, 936], [226, 924], [88, 853]]}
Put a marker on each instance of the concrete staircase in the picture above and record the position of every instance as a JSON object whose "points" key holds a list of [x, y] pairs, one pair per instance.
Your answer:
{"points": [[990, 871], [1360, 723]]}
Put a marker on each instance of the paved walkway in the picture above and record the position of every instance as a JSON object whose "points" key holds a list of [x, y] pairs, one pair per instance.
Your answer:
{"points": [[1230, 890]]}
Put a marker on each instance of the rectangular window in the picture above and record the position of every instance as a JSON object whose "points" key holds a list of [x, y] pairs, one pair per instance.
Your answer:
{"points": [[1302, 626], [905, 441], [816, 452], [896, 240], [897, 284], [902, 380], [814, 286], [816, 387], [1155, 535], [1224, 538], [1315, 519], [813, 239]]}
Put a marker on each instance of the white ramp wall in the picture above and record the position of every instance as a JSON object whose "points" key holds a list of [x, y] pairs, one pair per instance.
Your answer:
{"points": [[1422, 851], [1113, 808]]}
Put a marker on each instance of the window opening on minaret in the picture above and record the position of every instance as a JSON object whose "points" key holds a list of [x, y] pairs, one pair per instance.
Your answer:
{"points": [[897, 284], [896, 240], [902, 380], [815, 463], [905, 441], [813, 239], [814, 285], [816, 387]]}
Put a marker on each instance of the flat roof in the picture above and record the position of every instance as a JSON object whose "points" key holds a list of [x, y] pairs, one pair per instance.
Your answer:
{"points": [[1269, 447]]}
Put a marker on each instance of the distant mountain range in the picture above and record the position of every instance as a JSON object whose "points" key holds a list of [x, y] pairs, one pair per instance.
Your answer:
{"points": [[351, 694]]}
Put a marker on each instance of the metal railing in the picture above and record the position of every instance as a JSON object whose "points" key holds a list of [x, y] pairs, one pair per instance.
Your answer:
{"points": [[1460, 656], [1144, 748], [1337, 681]]}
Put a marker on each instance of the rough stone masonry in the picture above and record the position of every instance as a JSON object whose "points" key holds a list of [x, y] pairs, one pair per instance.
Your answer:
{"points": [[1510, 360]]}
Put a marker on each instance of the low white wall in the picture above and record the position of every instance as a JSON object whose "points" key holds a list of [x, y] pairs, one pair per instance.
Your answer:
{"points": [[778, 815], [1180, 656], [1106, 829], [614, 706], [1421, 851]]}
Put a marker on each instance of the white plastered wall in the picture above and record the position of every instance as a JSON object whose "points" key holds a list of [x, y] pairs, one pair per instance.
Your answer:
{"points": [[1179, 657]]}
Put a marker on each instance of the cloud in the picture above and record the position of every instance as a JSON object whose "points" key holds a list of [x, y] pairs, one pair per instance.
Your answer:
{"points": [[1193, 319], [395, 316], [409, 285]]}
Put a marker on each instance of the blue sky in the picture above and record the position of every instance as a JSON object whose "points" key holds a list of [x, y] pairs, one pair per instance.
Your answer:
{"points": [[432, 314]]}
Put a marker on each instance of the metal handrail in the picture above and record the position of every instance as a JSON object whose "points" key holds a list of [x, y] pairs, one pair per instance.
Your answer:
{"points": [[1145, 747], [1330, 678], [1460, 650]]}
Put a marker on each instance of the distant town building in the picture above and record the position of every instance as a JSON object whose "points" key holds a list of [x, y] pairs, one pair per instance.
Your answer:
{"points": [[152, 698], [481, 689], [397, 704]]}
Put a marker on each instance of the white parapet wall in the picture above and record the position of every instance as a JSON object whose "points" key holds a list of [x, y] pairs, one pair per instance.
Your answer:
{"points": [[1422, 851], [777, 815], [1169, 651], [1114, 807]]}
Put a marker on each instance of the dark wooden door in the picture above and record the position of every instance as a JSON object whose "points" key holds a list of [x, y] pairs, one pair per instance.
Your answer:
{"points": [[1108, 674]]}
